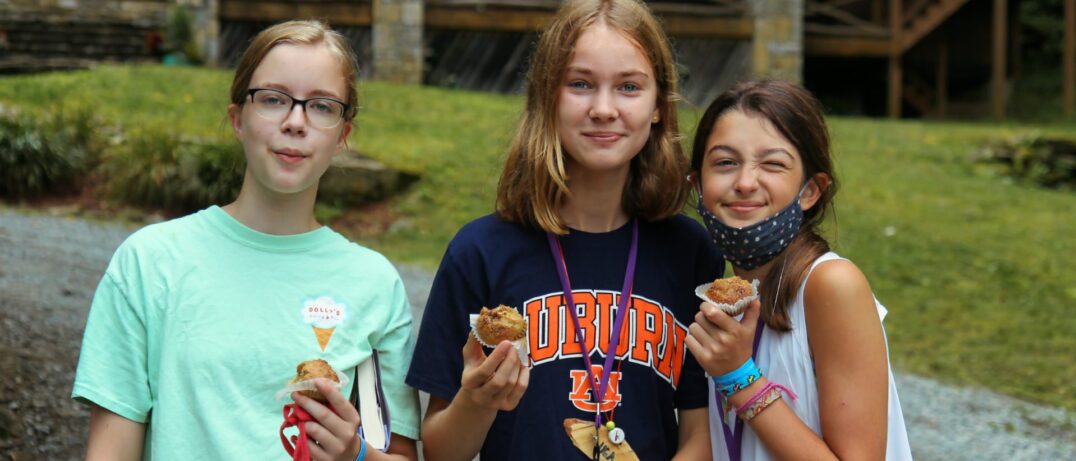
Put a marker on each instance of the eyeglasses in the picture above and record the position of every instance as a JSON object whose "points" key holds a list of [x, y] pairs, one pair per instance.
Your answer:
{"points": [[276, 105]]}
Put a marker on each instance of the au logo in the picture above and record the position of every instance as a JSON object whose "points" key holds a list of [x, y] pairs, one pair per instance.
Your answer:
{"points": [[581, 395]]}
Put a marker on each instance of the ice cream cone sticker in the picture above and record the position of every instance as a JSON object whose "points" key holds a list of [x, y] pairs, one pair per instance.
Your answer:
{"points": [[323, 315]]}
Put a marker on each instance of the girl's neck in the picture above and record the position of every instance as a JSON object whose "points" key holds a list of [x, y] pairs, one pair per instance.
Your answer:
{"points": [[756, 273], [596, 201], [272, 213]]}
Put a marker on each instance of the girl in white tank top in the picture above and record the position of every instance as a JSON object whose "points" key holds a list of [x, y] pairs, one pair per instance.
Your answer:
{"points": [[804, 372]]}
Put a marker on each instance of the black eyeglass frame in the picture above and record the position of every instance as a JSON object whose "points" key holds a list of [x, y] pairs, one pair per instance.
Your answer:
{"points": [[296, 101]]}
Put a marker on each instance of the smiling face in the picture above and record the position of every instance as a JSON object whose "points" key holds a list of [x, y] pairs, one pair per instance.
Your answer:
{"points": [[288, 155], [606, 103], [750, 171]]}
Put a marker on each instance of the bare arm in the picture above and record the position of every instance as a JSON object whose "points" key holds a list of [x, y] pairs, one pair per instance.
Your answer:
{"points": [[694, 435], [456, 430], [846, 341], [113, 437]]}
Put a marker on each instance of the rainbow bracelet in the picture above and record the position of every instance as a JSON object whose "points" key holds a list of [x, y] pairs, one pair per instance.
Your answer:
{"points": [[731, 382], [762, 399]]}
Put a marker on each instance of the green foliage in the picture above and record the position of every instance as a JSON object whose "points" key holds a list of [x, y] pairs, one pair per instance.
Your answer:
{"points": [[1047, 161], [156, 167], [180, 35], [45, 153]]}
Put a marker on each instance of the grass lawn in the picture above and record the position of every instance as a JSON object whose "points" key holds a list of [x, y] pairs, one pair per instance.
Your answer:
{"points": [[977, 270]]}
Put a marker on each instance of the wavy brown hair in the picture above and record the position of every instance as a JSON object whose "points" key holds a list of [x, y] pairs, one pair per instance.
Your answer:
{"points": [[534, 184], [797, 115]]}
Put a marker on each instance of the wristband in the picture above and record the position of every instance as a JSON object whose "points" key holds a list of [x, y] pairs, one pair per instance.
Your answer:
{"points": [[362, 452], [762, 399], [731, 382]]}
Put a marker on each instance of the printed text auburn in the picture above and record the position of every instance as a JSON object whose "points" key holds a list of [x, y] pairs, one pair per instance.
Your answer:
{"points": [[651, 335]]}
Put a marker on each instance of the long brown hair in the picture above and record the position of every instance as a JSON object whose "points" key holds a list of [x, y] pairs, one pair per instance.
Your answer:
{"points": [[533, 183], [797, 115]]}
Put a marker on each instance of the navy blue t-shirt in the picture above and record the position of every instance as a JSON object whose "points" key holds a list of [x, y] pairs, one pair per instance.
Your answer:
{"points": [[492, 262]]}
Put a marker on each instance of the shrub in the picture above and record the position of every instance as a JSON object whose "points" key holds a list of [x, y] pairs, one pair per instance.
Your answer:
{"points": [[45, 153], [158, 168], [1047, 161]]}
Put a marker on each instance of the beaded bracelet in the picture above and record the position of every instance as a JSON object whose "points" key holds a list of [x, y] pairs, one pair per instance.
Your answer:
{"points": [[731, 382], [762, 399]]}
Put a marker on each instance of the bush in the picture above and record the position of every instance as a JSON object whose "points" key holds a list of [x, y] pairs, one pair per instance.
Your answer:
{"points": [[158, 168], [45, 153], [1048, 161]]}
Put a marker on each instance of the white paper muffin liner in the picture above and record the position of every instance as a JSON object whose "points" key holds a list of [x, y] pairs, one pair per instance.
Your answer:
{"points": [[731, 309], [522, 345], [308, 385]]}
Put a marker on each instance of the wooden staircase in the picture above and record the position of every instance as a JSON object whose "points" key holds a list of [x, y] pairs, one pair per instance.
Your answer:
{"points": [[923, 16]]}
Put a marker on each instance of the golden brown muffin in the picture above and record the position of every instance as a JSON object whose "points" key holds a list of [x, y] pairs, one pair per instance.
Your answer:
{"points": [[311, 369], [729, 290], [499, 324]]}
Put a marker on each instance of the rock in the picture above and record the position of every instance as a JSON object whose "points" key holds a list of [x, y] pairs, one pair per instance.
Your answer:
{"points": [[355, 179]]}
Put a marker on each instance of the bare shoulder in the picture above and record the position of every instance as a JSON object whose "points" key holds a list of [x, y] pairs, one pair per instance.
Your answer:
{"points": [[834, 280], [837, 291]]}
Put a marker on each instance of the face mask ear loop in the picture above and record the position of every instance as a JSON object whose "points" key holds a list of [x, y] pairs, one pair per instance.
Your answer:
{"points": [[780, 278]]}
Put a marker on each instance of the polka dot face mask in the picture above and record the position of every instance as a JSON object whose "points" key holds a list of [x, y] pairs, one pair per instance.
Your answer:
{"points": [[756, 244]]}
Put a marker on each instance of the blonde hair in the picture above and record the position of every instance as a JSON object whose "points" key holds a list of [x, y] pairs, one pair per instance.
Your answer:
{"points": [[533, 183], [306, 32]]}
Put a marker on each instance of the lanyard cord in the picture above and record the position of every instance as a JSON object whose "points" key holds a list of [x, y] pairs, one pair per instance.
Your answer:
{"points": [[618, 324]]}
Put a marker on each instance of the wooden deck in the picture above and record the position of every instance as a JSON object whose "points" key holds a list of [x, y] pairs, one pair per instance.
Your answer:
{"points": [[885, 30]]}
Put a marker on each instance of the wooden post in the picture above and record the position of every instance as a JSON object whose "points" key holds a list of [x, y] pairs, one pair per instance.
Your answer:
{"points": [[998, 74], [942, 78], [896, 78], [1070, 55]]}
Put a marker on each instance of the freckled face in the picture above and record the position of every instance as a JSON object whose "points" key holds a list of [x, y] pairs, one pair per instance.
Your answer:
{"points": [[606, 103]]}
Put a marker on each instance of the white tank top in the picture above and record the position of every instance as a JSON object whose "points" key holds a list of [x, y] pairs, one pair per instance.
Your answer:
{"points": [[785, 358]]}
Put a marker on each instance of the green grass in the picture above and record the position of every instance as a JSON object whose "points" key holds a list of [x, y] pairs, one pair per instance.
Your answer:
{"points": [[977, 270]]}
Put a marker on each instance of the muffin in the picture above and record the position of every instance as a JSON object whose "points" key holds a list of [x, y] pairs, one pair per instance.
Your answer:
{"points": [[731, 295], [499, 324], [312, 369], [729, 290]]}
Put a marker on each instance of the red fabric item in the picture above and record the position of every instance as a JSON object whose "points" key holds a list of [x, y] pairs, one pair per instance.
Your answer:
{"points": [[294, 415]]}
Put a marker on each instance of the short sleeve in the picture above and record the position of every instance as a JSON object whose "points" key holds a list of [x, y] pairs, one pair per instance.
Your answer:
{"points": [[394, 353], [112, 367], [437, 366]]}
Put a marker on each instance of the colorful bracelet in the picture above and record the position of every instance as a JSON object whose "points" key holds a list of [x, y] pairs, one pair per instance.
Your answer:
{"points": [[362, 452], [731, 382], [762, 399]]}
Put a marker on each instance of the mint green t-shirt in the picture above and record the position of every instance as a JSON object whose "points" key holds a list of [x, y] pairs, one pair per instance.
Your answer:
{"points": [[199, 321]]}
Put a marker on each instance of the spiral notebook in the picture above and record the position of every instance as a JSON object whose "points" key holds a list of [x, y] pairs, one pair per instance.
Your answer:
{"points": [[369, 398]]}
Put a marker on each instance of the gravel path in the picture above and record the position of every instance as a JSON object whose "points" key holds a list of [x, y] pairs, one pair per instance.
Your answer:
{"points": [[49, 267]]}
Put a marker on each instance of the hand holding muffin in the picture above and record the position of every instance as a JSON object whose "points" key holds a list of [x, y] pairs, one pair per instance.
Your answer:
{"points": [[496, 381], [720, 342]]}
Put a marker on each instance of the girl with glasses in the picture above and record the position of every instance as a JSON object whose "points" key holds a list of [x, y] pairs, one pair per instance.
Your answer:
{"points": [[588, 244], [199, 321]]}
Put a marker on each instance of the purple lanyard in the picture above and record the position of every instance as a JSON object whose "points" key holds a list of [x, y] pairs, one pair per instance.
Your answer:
{"points": [[618, 324], [734, 438]]}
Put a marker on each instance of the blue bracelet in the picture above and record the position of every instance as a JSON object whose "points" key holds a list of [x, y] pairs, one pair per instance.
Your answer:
{"points": [[362, 452], [731, 382]]}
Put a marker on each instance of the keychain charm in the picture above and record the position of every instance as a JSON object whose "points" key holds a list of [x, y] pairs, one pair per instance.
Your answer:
{"points": [[616, 436]]}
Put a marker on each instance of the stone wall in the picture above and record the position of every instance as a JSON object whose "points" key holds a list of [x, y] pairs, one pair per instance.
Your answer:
{"points": [[777, 50], [397, 40], [42, 35]]}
